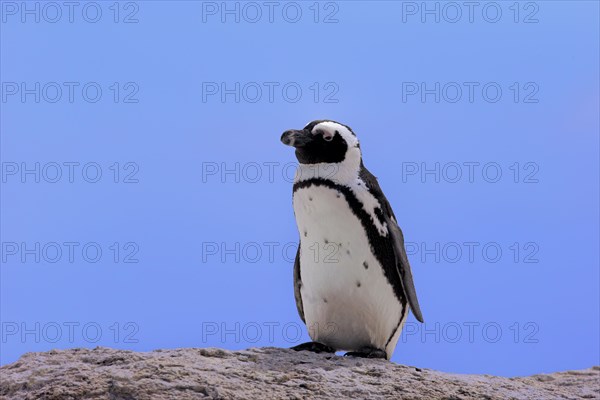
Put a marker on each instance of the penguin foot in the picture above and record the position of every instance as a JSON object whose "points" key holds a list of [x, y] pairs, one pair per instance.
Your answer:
{"points": [[315, 347], [367, 352]]}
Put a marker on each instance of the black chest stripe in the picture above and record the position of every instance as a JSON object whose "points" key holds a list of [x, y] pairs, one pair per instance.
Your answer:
{"points": [[381, 246]]}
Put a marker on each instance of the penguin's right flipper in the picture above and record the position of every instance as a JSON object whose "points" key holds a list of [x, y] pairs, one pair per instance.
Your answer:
{"points": [[298, 285], [402, 266]]}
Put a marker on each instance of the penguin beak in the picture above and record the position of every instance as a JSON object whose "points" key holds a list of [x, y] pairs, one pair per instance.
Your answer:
{"points": [[296, 138]]}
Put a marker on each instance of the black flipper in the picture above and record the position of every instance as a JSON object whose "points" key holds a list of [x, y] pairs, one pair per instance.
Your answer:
{"points": [[397, 238], [298, 285], [404, 267]]}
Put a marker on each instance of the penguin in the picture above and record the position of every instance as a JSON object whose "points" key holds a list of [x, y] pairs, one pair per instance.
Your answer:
{"points": [[352, 280]]}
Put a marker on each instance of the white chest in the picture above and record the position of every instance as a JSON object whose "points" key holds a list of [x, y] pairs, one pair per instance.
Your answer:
{"points": [[348, 303]]}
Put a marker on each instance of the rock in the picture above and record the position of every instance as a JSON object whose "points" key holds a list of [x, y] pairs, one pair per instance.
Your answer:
{"points": [[262, 373]]}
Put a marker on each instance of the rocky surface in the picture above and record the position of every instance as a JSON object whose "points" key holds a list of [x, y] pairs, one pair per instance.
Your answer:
{"points": [[263, 373]]}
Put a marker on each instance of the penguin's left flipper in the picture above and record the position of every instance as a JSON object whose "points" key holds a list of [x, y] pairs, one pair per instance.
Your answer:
{"points": [[298, 285], [404, 267], [397, 238]]}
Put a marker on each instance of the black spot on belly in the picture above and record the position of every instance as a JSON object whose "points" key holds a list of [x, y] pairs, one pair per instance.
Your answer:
{"points": [[365, 265], [324, 300], [326, 241], [357, 284], [348, 252], [305, 233], [310, 199]]}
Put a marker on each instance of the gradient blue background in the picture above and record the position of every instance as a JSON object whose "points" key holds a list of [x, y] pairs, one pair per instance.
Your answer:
{"points": [[171, 212]]}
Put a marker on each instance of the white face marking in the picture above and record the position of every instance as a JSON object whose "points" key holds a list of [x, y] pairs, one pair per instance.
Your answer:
{"points": [[329, 128], [345, 173]]}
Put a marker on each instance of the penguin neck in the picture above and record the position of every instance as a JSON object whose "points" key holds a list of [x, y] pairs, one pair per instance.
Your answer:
{"points": [[346, 172]]}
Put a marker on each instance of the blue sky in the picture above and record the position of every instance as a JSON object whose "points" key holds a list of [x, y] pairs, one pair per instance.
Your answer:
{"points": [[146, 198]]}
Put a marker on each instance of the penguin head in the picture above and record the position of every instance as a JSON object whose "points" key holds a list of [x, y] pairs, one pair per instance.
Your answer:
{"points": [[323, 141]]}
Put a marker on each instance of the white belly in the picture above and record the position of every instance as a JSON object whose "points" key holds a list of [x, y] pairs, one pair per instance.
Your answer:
{"points": [[348, 303]]}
